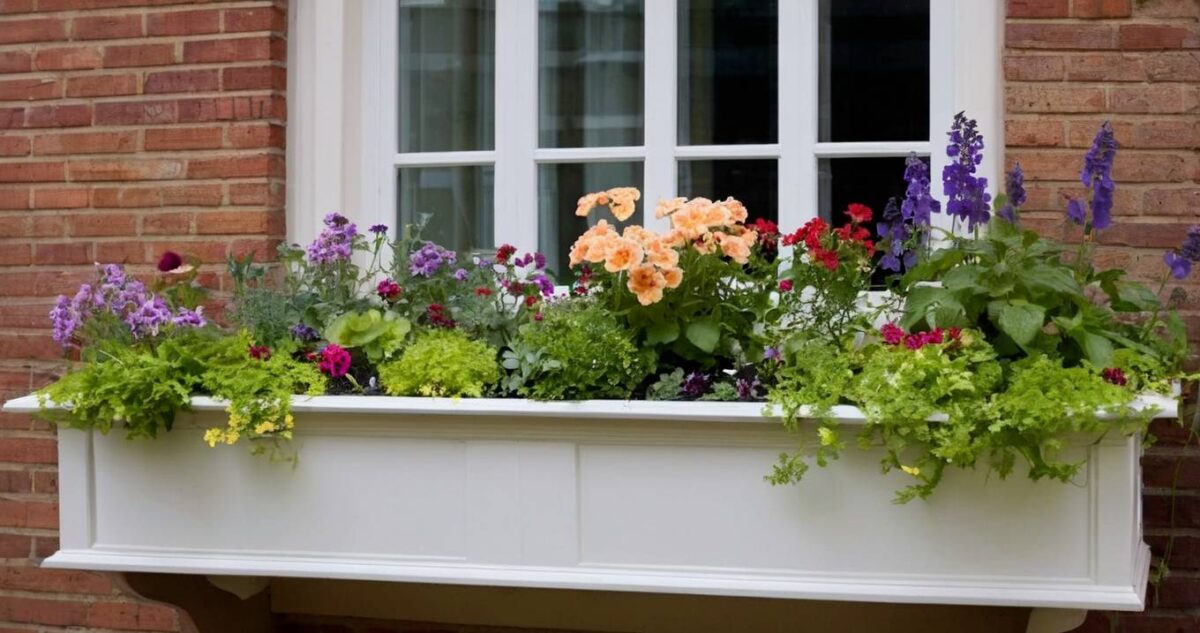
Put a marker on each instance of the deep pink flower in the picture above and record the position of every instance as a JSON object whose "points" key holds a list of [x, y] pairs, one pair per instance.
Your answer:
{"points": [[785, 285], [388, 290], [892, 334], [261, 352], [169, 261], [1115, 376], [334, 361]]}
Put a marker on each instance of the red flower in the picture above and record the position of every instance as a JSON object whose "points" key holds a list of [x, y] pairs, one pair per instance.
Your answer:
{"points": [[892, 334], [537, 317], [261, 352], [785, 285], [437, 316], [483, 291], [859, 213], [768, 233], [389, 290], [791, 239], [335, 361], [504, 252], [530, 300], [1115, 376], [827, 258], [169, 261]]}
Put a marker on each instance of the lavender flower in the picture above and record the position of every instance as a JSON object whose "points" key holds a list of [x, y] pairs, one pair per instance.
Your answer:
{"points": [[427, 260], [1097, 174], [1180, 261], [335, 242], [695, 385], [544, 284], [1180, 267], [63, 321], [896, 232], [147, 318], [378, 229], [748, 388], [1075, 211], [190, 318], [1014, 186], [918, 203], [966, 194], [1191, 244], [772, 353], [461, 274], [302, 332]]}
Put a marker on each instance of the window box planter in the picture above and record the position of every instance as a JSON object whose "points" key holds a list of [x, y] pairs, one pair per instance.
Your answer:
{"points": [[637, 496]]}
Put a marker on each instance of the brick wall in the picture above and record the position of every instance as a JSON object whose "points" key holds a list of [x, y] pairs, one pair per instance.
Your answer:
{"points": [[126, 127], [1069, 65]]}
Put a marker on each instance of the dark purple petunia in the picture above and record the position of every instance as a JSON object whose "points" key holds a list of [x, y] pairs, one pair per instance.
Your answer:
{"points": [[695, 385]]}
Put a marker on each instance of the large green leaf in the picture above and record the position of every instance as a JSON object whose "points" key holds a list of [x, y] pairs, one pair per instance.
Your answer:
{"points": [[704, 334], [1098, 349], [657, 333], [1021, 321], [1044, 277], [920, 301]]}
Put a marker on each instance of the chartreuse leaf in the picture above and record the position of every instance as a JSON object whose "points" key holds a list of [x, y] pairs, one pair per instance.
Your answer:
{"points": [[704, 334], [1021, 321]]}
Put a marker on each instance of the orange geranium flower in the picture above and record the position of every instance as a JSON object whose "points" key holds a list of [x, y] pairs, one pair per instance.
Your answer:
{"points": [[622, 254], [667, 207], [647, 282]]}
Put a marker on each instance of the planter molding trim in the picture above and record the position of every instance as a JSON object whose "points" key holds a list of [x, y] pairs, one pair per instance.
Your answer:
{"points": [[609, 495]]}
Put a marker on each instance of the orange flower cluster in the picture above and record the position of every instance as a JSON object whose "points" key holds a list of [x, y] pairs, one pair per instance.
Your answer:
{"points": [[651, 259]]}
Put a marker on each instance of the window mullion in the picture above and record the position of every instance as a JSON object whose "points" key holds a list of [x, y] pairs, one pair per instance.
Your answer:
{"points": [[515, 197], [661, 76], [798, 112]]}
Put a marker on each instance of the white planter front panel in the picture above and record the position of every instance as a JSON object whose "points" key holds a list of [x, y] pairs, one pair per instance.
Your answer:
{"points": [[596, 495]]}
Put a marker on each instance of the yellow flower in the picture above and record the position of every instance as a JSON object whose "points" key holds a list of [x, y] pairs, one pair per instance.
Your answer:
{"points": [[289, 421], [667, 207], [622, 254], [264, 427], [912, 470], [212, 436], [647, 283]]}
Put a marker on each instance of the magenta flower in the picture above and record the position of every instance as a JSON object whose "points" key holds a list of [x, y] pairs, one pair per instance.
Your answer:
{"points": [[169, 261], [388, 290], [334, 360], [892, 334]]}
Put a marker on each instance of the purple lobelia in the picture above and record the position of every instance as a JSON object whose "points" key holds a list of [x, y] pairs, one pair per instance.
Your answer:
{"points": [[1014, 187], [1097, 175], [966, 194]]}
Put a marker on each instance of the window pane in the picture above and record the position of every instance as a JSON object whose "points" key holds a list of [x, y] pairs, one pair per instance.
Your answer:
{"points": [[754, 182], [559, 187], [869, 181], [874, 70], [453, 203], [447, 59], [590, 65], [728, 72]]}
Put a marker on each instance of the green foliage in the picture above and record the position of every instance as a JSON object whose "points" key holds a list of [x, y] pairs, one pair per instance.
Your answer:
{"points": [[259, 391], [378, 334], [441, 363], [138, 389], [667, 387], [577, 351]]}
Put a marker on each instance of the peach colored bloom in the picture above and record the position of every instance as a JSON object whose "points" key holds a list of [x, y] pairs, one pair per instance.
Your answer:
{"points": [[622, 254], [623, 202], [674, 238], [667, 207], [599, 247], [704, 244], [661, 255], [579, 250], [673, 276], [647, 283], [717, 214], [640, 234], [690, 222], [733, 247], [585, 204], [737, 209]]}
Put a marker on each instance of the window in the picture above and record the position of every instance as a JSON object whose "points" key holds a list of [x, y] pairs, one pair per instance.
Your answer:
{"points": [[488, 118]]}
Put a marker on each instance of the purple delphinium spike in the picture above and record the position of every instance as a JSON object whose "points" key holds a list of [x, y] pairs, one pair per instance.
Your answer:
{"points": [[1076, 212], [919, 204], [378, 229], [1180, 266], [1014, 187], [966, 194], [896, 233], [1180, 261], [1097, 175]]}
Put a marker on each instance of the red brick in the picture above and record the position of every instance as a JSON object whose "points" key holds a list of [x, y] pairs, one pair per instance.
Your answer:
{"points": [[85, 143], [15, 545], [127, 197], [1151, 36], [1039, 98], [1162, 98], [132, 616], [73, 198], [139, 55], [29, 450], [240, 167], [254, 19], [184, 22], [68, 58], [182, 81], [125, 169], [1168, 9], [16, 6], [1166, 470], [16, 255], [13, 197], [43, 611], [14, 146], [184, 138], [47, 226], [102, 85], [166, 224], [1170, 202], [1145, 235], [31, 172], [192, 196], [11, 118], [124, 252], [1102, 9], [230, 50], [103, 224], [136, 112], [54, 580], [45, 482], [209, 252], [1168, 134], [256, 135], [1033, 133], [1081, 132], [30, 89], [74, 115], [251, 194], [30, 514], [61, 253], [1060, 36], [1033, 67], [1173, 67], [14, 62], [254, 78], [15, 481], [239, 222], [106, 27], [44, 546], [1105, 67], [1038, 8], [33, 30]]}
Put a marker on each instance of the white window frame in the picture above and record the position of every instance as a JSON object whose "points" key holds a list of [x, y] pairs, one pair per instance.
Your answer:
{"points": [[343, 112]]}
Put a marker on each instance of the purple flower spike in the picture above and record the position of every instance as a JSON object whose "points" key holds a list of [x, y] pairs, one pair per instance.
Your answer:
{"points": [[1014, 186], [1097, 174], [1075, 211], [918, 203], [966, 194], [1180, 266], [1180, 261]]}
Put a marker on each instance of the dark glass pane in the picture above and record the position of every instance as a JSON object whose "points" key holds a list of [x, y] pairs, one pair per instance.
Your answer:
{"points": [[560, 186], [447, 75], [754, 182], [728, 72], [874, 70], [869, 181], [453, 203], [590, 71]]}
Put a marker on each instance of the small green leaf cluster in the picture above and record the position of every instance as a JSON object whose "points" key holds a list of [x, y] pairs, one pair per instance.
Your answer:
{"points": [[442, 363], [577, 351], [378, 334]]}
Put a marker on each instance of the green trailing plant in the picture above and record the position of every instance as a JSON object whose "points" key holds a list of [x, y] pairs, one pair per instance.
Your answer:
{"points": [[441, 363], [577, 352]]}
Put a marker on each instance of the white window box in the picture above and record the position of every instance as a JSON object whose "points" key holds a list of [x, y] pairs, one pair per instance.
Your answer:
{"points": [[637, 496]]}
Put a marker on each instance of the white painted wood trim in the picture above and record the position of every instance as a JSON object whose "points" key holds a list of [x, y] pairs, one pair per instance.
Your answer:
{"points": [[660, 94], [869, 150], [444, 159], [516, 181]]}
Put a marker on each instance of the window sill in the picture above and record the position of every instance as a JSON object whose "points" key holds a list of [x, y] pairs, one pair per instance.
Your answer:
{"points": [[613, 495]]}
